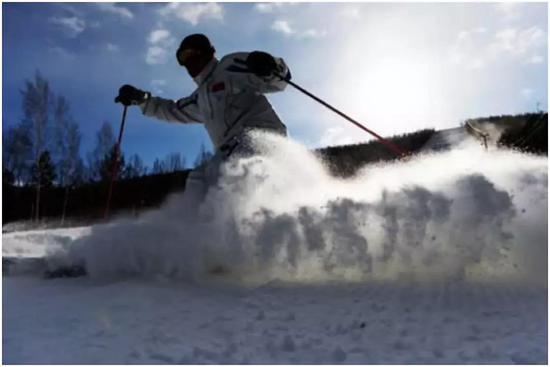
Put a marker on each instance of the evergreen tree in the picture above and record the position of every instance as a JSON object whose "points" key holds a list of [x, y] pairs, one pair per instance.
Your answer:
{"points": [[43, 172], [17, 155], [105, 141], [7, 177]]}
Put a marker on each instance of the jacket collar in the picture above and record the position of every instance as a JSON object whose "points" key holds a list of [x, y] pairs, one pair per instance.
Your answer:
{"points": [[206, 72]]}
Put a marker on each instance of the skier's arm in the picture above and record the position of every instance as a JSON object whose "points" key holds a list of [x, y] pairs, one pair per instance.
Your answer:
{"points": [[184, 110], [241, 72]]}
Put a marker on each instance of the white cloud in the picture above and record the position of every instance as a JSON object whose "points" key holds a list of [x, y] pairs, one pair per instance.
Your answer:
{"points": [[67, 7], [462, 35], [62, 53], [73, 25], [270, 7], [264, 7], [111, 47], [312, 33], [116, 9], [466, 51], [157, 85], [481, 30], [509, 10], [470, 33], [518, 41], [193, 13], [161, 44], [159, 35], [476, 48], [282, 26], [350, 12], [158, 82], [156, 55]]}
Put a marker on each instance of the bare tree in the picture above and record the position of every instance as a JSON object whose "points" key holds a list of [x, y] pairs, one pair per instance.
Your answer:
{"points": [[203, 156], [105, 141], [135, 167], [17, 157], [174, 162], [37, 101], [158, 167], [67, 149]]}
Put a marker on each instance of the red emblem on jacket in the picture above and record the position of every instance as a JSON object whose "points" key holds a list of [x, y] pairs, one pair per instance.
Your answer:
{"points": [[218, 87]]}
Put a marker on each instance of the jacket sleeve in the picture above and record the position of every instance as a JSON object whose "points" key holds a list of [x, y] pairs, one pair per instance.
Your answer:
{"points": [[184, 110], [236, 67]]}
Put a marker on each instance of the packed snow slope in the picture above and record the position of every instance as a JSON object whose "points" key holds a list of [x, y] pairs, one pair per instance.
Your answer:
{"points": [[441, 258]]}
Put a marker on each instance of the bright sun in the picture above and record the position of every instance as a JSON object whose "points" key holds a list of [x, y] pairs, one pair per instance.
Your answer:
{"points": [[389, 83], [398, 87]]}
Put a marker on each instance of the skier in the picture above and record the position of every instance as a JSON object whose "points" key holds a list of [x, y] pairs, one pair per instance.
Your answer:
{"points": [[229, 101]]}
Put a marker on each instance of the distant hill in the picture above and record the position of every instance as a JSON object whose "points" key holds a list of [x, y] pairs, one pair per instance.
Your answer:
{"points": [[526, 132], [345, 160]]}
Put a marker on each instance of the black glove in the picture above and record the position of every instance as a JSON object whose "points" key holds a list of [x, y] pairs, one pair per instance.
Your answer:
{"points": [[261, 63], [129, 95]]}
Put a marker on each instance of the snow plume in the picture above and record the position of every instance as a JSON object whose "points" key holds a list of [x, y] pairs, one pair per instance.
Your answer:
{"points": [[464, 214]]}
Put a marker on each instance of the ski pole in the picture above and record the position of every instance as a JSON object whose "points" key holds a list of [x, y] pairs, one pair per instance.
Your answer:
{"points": [[114, 172], [394, 148]]}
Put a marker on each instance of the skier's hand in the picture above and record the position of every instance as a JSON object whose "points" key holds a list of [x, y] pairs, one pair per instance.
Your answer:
{"points": [[261, 63], [129, 95]]}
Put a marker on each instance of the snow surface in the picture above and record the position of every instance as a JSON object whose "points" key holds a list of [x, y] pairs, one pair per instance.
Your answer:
{"points": [[438, 259], [39, 243]]}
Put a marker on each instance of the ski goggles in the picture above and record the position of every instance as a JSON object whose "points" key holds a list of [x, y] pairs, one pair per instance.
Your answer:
{"points": [[184, 55]]}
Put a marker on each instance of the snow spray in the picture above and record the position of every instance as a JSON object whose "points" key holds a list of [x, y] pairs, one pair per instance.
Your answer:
{"points": [[466, 214]]}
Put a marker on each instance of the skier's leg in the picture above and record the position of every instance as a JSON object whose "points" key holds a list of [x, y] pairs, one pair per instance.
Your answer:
{"points": [[194, 193]]}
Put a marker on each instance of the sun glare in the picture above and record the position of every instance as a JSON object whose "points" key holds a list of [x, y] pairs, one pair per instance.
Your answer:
{"points": [[391, 84], [400, 88]]}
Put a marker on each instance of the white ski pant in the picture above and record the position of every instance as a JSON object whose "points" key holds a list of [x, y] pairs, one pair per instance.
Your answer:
{"points": [[202, 178]]}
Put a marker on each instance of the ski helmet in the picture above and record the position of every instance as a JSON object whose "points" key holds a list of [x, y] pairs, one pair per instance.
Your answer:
{"points": [[197, 42]]}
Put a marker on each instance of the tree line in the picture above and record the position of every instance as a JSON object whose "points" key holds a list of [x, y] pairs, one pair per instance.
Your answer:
{"points": [[346, 160], [44, 174], [43, 150], [527, 132]]}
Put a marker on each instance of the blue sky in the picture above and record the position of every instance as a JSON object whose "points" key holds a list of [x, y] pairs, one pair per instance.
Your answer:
{"points": [[395, 67]]}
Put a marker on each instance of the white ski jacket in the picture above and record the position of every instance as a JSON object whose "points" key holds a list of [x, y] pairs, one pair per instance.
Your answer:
{"points": [[228, 100]]}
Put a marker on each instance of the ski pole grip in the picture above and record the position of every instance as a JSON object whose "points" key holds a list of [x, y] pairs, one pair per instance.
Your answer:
{"points": [[277, 74]]}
